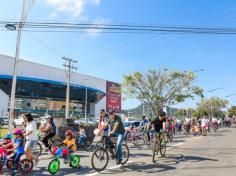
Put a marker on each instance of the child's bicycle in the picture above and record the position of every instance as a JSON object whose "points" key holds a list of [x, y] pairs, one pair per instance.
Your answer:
{"points": [[24, 167], [62, 152]]}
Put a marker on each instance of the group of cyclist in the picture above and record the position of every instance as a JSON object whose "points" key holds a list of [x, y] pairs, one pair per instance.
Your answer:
{"points": [[109, 124], [112, 125]]}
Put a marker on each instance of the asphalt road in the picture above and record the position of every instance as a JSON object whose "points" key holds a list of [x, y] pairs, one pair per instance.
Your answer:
{"points": [[214, 154]]}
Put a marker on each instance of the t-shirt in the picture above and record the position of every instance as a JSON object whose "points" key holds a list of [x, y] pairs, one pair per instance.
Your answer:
{"points": [[9, 147], [31, 126], [120, 129], [144, 122], [158, 124], [69, 142], [104, 121], [20, 144], [204, 122], [187, 120], [82, 133]]}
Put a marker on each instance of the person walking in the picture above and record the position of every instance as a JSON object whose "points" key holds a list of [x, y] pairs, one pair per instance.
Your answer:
{"points": [[30, 135]]}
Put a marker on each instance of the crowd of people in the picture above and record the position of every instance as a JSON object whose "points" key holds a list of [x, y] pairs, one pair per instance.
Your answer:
{"points": [[109, 124]]}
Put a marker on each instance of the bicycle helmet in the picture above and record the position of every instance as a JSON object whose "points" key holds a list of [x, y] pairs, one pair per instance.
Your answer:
{"points": [[7, 136], [18, 131], [70, 132]]}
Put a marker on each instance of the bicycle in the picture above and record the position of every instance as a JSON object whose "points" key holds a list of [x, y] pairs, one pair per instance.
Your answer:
{"points": [[85, 144], [54, 141], [25, 166], [63, 152], [138, 139], [159, 144], [101, 154]]}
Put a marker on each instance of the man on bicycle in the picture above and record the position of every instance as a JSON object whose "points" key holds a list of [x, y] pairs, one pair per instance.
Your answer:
{"points": [[118, 130], [159, 123]]}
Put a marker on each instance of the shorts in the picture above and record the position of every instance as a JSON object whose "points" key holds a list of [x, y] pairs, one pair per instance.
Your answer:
{"points": [[31, 144]]}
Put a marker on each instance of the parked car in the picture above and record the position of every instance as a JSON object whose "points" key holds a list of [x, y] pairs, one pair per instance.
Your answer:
{"points": [[128, 123], [19, 121]]}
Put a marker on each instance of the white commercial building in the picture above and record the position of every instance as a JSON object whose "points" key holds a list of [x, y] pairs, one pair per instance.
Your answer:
{"points": [[41, 87]]}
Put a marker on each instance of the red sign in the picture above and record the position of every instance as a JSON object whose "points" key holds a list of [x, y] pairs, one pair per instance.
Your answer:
{"points": [[113, 97]]}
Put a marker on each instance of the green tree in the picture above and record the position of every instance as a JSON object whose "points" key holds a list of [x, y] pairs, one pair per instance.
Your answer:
{"points": [[232, 112], [160, 88], [180, 113], [211, 106]]}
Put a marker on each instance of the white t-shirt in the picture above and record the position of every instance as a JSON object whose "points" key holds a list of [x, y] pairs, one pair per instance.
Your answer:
{"points": [[187, 120], [214, 120], [204, 122], [31, 127]]}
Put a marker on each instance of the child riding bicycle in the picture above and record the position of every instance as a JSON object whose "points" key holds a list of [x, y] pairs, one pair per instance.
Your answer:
{"points": [[18, 149]]}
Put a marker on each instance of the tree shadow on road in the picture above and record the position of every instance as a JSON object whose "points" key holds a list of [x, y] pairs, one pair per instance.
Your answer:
{"points": [[65, 171], [141, 168]]}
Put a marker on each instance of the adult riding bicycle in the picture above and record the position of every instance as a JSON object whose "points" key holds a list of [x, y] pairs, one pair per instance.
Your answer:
{"points": [[100, 157]]}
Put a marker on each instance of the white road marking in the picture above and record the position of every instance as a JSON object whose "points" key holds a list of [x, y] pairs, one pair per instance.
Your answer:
{"points": [[110, 168]]}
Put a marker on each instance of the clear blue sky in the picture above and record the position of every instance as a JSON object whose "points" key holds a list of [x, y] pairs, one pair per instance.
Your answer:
{"points": [[110, 56]]}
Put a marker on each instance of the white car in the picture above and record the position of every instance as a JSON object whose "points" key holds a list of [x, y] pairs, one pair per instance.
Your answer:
{"points": [[18, 121]]}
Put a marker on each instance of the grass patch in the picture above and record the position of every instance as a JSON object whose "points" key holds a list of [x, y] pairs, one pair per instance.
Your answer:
{"points": [[3, 131]]}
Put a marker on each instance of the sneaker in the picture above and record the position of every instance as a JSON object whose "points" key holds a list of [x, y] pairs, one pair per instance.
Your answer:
{"points": [[118, 162], [36, 162]]}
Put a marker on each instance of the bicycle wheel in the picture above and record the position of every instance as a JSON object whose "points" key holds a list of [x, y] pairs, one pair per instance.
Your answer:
{"points": [[87, 145], [154, 150], [25, 166], [125, 154], [37, 150], [163, 148], [75, 161], [99, 159], [54, 166]]}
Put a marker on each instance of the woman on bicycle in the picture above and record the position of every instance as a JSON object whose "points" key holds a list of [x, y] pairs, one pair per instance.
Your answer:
{"points": [[49, 129], [103, 122], [30, 135]]}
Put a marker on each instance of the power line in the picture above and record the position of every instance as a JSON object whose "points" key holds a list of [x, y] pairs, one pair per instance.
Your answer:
{"points": [[118, 28]]}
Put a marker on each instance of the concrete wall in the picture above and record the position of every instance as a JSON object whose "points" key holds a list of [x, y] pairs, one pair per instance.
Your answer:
{"points": [[4, 99]]}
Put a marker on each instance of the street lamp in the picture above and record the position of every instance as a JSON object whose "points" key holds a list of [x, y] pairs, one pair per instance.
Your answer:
{"points": [[10, 27], [25, 7], [86, 100]]}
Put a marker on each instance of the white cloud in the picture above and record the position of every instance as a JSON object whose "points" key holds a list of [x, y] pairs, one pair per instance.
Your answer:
{"points": [[53, 14], [74, 7], [101, 23]]}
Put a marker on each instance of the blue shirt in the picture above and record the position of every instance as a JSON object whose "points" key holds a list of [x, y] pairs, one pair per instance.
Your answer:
{"points": [[20, 148], [144, 122]]}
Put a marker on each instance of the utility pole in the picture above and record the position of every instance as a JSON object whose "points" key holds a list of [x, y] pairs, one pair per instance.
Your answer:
{"points": [[69, 67], [26, 5]]}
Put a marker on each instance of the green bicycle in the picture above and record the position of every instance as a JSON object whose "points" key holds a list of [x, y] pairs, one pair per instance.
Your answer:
{"points": [[54, 165]]}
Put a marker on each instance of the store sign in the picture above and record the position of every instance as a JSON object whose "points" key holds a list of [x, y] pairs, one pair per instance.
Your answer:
{"points": [[113, 97]]}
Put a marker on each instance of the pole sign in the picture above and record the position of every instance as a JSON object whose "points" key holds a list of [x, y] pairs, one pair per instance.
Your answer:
{"points": [[113, 97]]}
